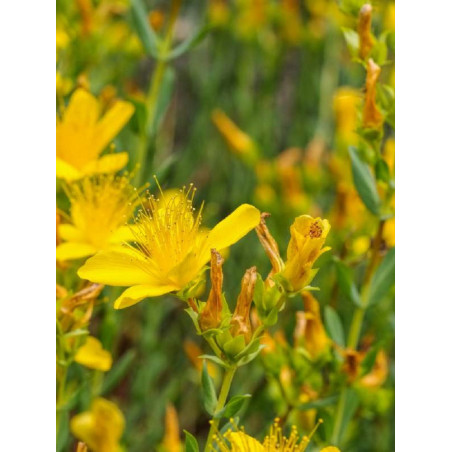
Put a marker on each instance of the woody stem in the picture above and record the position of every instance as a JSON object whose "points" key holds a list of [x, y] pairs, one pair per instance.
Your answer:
{"points": [[224, 391]]}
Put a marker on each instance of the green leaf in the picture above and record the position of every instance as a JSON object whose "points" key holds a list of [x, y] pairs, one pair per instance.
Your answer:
{"points": [[216, 360], [319, 403], [383, 279], [188, 43], [369, 360], [334, 326], [118, 371], [382, 171], [346, 283], [144, 30], [248, 358], [233, 406], [350, 406], [191, 445], [163, 100], [209, 396], [364, 182], [352, 40]]}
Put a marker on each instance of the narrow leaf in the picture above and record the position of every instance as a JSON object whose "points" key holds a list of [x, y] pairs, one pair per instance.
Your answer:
{"points": [[118, 371], [209, 396], [364, 182], [191, 445], [334, 326], [144, 30], [383, 279], [233, 406], [188, 43], [346, 283]]}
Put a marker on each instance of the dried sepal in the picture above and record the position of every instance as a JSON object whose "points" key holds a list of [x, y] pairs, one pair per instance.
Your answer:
{"points": [[240, 322], [372, 117], [211, 314], [366, 41]]}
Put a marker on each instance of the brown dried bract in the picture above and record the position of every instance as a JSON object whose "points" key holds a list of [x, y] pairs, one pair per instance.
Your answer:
{"points": [[211, 314]]}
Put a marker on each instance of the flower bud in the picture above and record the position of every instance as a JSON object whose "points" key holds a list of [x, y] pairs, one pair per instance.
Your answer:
{"points": [[310, 332], [305, 246]]}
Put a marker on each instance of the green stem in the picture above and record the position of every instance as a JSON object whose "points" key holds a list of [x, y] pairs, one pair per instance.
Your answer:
{"points": [[224, 391], [60, 397], [152, 97], [335, 437], [356, 325]]}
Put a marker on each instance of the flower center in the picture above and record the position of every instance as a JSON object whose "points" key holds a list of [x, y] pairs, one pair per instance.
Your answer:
{"points": [[167, 229], [315, 230]]}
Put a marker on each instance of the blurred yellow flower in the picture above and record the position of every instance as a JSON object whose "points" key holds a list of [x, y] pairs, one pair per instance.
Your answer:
{"points": [[81, 135], [101, 205], [170, 251], [63, 84], [171, 440], [305, 246], [345, 104], [92, 355], [239, 142], [101, 427], [310, 332], [389, 232], [377, 376]]}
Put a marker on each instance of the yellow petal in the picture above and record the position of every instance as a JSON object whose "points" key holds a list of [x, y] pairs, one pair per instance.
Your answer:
{"points": [[330, 449], [116, 268], [92, 355], [66, 171], [70, 233], [135, 294], [232, 229], [112, 122], [242, 442], [73, 250], [126, 233], [83, 109], [109, 163]]}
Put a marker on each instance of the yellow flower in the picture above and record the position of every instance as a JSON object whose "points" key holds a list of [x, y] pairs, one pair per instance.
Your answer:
{"points": [[171, 441], [389, 232], [305, 246], [310, 332], [170, 250], [275, 441], [81, 135], [101, 427], [63, 84], [100, 207], [238, 141], [346, 101], [92, 355]]}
